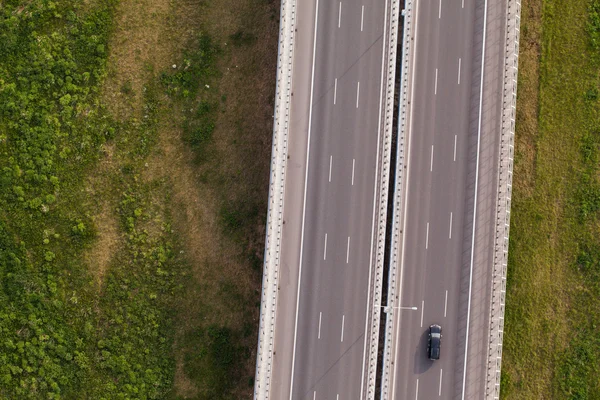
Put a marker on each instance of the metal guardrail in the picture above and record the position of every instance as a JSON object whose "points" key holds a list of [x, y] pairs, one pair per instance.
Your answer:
{"points": [[498, 294], [393, 296], [266, 336]]}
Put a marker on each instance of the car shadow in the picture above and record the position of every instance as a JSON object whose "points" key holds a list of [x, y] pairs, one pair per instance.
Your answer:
{"points": [[422, 361]]}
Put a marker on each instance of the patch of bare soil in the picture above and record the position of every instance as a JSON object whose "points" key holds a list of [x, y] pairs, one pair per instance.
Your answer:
{"points": [[139, 46]]}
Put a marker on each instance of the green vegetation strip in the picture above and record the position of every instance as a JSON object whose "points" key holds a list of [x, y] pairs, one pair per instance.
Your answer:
{"points": [[552, 330], [61, 335]]}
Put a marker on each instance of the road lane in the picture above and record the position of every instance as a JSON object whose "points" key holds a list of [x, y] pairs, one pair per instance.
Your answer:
{"points": [[328, 346], [440, 118]]}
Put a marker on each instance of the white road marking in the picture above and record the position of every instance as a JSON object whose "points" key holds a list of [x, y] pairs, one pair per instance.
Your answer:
{"points": [[353, 163], [446, 304], [463, 3], [357, 93], [412, 96], [314, 395], [422, 309], [454, 147], [459, 62], [431, 164], [383, 55], [440, 10], [440, 391], [464, 383], [343, 320], [320, 316], [348, 251], [436, 76], [417, 391], [427, 237], [312, 85], [450, 230], [330, 163], [362, 18], [325, 249], [335, 91], [340, 15]]}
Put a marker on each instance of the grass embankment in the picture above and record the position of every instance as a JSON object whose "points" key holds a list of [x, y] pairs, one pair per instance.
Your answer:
{"points": [[552, 329], [134, 156]]}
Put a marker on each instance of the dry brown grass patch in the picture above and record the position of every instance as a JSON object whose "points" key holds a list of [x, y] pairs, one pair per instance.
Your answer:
{"points": [[528, 95], [139, 46], [108, 240]]}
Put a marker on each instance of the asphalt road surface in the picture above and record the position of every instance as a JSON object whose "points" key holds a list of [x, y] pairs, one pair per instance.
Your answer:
{"points": [[329, 212], [445, 136]]}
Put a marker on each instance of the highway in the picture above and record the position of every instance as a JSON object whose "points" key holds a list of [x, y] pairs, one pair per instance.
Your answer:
{"points": [[446, 258], [330, 213], [436, 190]]}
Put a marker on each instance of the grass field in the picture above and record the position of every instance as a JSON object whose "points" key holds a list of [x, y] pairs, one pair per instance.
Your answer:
{"points": [[134, 157], [552, 329]]}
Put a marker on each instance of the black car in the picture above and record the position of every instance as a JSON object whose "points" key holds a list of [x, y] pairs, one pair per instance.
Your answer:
{"points": [[435, 342]]}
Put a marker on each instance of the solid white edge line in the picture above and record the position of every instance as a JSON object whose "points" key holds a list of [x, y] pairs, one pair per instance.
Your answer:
{"points": [[422, 311], [362, 376], [459, 62], [455, 147], [312, 85], [475, 200], [446, 304], [353, 162], [427, 237], [450, 230], [416, 16], [320, 316], [362, 18], [348, 251], [325, 249], [330, 164], [335, 92], [440, 391], [357, 93], [436, 76]]}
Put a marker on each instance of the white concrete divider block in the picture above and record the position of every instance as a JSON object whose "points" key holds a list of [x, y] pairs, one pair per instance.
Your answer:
{"points": [[266, 336], [395, 259], [505, 167], [389, 76]]}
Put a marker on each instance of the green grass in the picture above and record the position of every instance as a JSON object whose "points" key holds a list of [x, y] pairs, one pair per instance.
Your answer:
{"points": [[133, 196], [62, 336], [551, 345]]}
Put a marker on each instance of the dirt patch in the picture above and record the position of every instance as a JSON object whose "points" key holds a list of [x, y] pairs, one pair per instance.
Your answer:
{"points": [[217, 204], [99, 256], [138, 48]]}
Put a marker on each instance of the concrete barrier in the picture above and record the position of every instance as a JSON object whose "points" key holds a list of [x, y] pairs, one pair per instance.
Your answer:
{"points": [[266, 336], [387, 93], [505, 170], [395, 258]]}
